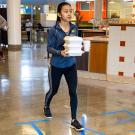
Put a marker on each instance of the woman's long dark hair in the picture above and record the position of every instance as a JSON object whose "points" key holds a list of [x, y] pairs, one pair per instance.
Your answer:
{"points": [[59, 8]]}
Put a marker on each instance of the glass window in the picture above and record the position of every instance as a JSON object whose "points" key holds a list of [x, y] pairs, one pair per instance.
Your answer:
{"points": [[120, 9], [85, 6]]}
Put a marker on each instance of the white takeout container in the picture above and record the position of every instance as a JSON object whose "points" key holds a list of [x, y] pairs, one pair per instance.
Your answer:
{"points": [[73, 45], [73, 39], [87, 45], [71, 53]]}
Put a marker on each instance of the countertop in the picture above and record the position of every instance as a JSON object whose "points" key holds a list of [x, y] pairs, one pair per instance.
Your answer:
{"points": [[91, 30], [123, 24], [97, 39]]}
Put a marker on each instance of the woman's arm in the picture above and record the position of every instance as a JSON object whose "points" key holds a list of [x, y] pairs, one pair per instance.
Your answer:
{"points": [[52, 43]]}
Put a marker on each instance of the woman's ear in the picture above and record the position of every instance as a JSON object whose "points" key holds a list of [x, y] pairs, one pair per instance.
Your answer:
{"points": [[59, 15]]}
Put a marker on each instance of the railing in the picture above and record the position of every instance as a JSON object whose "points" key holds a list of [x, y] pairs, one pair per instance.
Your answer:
{"points": [[36, 35]]}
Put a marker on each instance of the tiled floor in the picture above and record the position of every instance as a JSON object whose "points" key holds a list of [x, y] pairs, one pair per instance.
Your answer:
{"points": [[105, 108]]}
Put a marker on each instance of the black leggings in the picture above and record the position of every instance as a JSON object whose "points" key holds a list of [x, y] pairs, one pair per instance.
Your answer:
{"points": [[55, 75]]}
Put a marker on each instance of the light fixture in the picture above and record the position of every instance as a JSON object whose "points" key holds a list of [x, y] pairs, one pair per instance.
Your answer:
{"points": [[128, 0], [111, 2], [34, 7], [27, 7]]}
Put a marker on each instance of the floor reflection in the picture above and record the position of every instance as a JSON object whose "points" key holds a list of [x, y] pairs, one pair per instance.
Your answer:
{"points": [[24, 82]]}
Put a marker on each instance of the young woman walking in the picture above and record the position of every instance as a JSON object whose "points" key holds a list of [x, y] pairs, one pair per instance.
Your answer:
{"points": [[61, 63]]}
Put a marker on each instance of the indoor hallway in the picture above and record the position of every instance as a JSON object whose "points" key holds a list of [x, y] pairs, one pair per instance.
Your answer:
{"points": [[104, 108]]}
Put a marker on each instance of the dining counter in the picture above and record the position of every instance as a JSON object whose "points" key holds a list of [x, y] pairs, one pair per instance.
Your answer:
{"points": [[92, 32], [95, 60], [97, 39], [121, 53], [113, 56]]}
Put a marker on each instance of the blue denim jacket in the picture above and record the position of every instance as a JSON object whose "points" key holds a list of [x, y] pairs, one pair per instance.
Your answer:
{"points": [[55, 45]]}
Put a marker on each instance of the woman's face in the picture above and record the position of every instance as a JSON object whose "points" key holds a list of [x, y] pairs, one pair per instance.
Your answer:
{"points": [[66, 13]]}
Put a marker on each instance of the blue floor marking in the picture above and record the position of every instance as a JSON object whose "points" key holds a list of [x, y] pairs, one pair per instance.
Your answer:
{"points": [[94, 131], [115, 112], [83, 122], [123, 121], [33, 124], [37, 129], [120, 111], [131, 113], [131, 130], [126, 121], [29, 122]]}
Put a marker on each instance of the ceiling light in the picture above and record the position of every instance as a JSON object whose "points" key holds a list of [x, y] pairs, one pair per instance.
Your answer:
{"points": [[111, 2], [34, 7], [128, 0]]}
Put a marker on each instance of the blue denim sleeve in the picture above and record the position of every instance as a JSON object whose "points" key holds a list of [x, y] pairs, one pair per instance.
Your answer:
{"points": [[76, 30], [52, 42]]}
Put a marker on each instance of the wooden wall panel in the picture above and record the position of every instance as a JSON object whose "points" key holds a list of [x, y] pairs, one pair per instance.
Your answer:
{"points": [[98, 58]]}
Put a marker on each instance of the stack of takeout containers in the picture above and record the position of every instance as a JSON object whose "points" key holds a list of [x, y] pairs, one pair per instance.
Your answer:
{"points": [[86, 44], [73, 45]]}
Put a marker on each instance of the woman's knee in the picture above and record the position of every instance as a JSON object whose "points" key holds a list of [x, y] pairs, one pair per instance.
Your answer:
{"points": [[54, 91]]}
